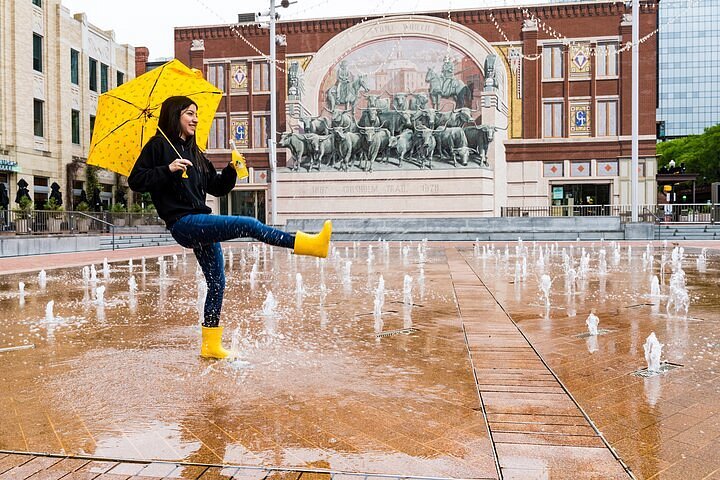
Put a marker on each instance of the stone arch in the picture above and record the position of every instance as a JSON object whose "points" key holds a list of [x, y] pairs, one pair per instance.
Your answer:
{"points": [[459, 36]]}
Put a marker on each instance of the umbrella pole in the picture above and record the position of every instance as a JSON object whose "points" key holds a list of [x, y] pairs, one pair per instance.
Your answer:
{"points": [[184, 174], [168, 140]]}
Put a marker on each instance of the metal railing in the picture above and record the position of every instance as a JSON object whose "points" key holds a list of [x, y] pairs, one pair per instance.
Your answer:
{"points": [[44, 222], [671, 213]]}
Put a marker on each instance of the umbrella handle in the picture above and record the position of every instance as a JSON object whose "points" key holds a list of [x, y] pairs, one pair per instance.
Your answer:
{"points": [[184, 174]]}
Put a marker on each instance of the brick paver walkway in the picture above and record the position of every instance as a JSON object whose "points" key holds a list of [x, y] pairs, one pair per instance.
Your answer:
{"points": [[536, 427]]}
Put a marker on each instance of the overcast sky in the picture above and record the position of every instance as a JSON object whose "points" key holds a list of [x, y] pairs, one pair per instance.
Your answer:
{"points": [[150, 23]]}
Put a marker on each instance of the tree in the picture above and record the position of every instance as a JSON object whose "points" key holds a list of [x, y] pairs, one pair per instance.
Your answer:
{"points": [[699, 153]]}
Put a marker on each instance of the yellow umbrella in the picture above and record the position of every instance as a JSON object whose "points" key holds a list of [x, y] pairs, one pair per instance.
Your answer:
{"points": [[127, 116]]}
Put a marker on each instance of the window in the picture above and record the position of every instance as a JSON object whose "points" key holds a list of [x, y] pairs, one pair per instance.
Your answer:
{"points": [[606, 118], [261, 127], [261, 77], [38, 117], [75, 67], [93, 75], [120, 79], [217, 138], [606, 60], [37, 53], [37, 3], [552, 119], [92, 126], [103, 78], [216, 75], [75, 122], [552, 62]]}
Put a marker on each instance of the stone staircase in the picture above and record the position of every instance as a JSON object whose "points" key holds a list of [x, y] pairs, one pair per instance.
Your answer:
{"points": [[688, 232], [469, 229], [136, 240]]}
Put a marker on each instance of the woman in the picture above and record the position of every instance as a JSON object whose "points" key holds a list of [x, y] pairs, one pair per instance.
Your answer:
{"points": [[178, 176]]}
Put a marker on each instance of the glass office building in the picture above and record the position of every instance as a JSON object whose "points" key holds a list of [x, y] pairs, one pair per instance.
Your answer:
{"points": [[689, 66]]}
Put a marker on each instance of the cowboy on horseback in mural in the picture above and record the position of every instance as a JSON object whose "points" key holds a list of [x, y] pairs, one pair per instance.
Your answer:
{"points": [[448, 75], [344, 79], [346, 89], [446, 85]]}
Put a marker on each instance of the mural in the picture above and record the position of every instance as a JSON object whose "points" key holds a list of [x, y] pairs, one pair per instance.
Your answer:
{"points": [[408, 102]]}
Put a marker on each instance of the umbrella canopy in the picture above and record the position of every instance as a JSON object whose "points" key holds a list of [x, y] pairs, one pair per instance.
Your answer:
{"points": [[127, 116]]}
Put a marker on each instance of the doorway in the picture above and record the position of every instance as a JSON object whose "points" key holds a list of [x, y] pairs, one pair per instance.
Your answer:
{"points": [[246, 203]]}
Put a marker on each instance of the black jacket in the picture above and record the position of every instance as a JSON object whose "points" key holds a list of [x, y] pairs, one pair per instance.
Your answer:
{"points": [[174, 196]]}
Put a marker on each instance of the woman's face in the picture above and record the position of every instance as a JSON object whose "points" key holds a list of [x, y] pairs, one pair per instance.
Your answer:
{"points": [[188, 121]]}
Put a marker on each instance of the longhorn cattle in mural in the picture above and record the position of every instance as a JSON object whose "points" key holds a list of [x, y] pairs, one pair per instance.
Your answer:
{"points": [[360, 128]]}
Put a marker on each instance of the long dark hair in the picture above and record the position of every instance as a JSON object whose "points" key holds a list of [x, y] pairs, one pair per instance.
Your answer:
{"points": [[169, 123]]}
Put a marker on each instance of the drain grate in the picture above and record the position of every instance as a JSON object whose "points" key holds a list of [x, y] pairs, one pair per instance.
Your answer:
{"points": [[664, 367], [601, 331], [402, 331]]}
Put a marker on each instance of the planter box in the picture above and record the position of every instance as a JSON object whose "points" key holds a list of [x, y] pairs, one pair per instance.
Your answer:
{"points": [[83, 224], [54, 225], [22, 225]]}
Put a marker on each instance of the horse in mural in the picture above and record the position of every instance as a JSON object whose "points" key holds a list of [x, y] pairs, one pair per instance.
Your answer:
{"points": [[455, 89], [353, 91]]}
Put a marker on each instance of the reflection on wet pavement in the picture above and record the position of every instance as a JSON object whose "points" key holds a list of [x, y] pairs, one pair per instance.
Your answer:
{"points": [[665, 426], [501, 372], [118, 375]]}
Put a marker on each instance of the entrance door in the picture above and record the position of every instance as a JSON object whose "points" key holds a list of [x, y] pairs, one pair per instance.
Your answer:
{"points": [[583, 194], [248, 203]]}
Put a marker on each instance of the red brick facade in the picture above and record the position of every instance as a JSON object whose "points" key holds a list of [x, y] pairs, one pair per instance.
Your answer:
{"points": [[574, 21]]}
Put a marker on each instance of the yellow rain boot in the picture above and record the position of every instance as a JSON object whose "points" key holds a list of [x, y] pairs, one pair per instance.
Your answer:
{"points": [[315, 245], [212, 343]]}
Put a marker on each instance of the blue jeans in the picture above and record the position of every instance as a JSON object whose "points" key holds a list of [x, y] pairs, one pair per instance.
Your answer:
{"points": [[203, 233]]}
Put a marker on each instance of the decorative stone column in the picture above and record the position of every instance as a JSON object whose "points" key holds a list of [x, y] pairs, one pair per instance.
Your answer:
{"points": [[495, 114]]}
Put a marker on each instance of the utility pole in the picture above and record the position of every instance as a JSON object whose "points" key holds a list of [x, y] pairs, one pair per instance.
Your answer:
{"points": [[272, 144], [634, 163], [273, 117]]}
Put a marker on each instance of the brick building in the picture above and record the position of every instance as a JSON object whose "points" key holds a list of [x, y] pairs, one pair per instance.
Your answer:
{"points": [[553, 82], [53, 66]]}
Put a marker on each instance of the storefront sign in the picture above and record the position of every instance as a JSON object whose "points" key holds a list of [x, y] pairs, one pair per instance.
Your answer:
{"points": [[7, 165], [557, 193]]}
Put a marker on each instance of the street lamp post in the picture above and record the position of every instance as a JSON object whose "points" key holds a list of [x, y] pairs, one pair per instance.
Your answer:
{"points": [[634, 164], [273, 118], [273, 110]]}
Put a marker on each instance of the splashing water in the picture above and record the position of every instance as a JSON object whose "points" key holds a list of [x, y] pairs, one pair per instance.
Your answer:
{"points": [[653, 352], [93, 273], [299, 289], [49, 316], [592, 323], [106, 269], [602, 265], [130, 265], [86, 275], [545, 284], [253, 276], [42, 279], [132, 284], [21, 289], [379, 297], [407, 290], [701, 261], [100, 295], [655, 287], [269, 304], [678, 299]]}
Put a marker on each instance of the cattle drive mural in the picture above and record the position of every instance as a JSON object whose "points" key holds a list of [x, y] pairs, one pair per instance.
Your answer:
{"points": [[414, 108]]}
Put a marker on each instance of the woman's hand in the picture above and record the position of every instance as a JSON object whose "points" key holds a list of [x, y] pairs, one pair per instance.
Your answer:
{"points": [[179, 164]]}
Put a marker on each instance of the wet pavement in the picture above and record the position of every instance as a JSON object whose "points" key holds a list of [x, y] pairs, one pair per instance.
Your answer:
{"points": [[490, 384]]}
